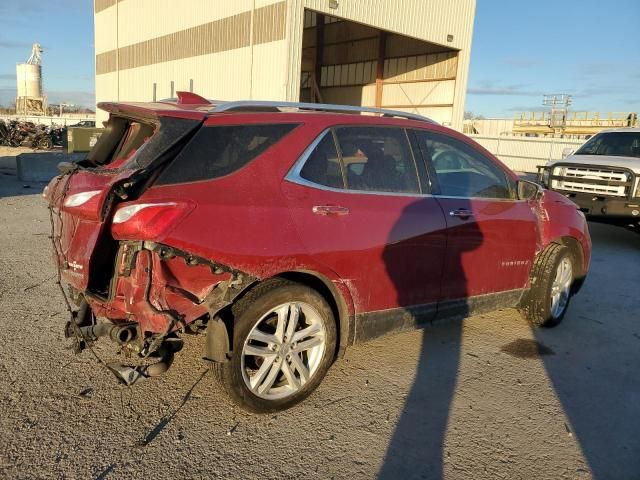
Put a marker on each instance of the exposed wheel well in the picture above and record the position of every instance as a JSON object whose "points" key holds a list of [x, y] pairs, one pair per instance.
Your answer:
{"points": [[338, 306], [322, 285]]}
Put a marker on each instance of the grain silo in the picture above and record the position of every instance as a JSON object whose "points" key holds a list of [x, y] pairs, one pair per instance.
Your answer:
{"points": [[30, 98]]}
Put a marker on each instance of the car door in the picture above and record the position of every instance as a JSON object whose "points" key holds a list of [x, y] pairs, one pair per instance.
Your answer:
{"points": [[491, 235], [361, 210]]}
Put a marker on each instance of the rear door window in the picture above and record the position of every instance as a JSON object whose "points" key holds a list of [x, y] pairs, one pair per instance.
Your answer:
{"points": [[217, 151], [462, 171], [377, 159]]}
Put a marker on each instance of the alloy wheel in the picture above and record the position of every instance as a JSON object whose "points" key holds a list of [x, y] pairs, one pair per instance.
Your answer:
{"points": [[561, 287], [283, 350]]}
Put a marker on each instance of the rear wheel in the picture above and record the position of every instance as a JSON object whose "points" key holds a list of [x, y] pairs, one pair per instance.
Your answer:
{"points": [[284, 342], [45, 143], [547, 300]]}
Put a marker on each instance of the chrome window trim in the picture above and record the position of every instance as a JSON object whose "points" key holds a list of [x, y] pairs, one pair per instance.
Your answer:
{"points": [[294, 176], [294, 173], [492, 199]]}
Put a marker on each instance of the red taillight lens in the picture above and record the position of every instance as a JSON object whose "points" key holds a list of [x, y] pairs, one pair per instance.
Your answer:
{"points": [[147, 221]]}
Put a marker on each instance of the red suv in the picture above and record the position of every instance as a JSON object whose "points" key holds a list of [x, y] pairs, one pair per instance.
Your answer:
{"points": [[288, 232]]}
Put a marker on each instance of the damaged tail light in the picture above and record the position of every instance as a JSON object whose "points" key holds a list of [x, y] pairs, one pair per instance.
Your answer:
{"points": [[145, 221], [84, 204]]}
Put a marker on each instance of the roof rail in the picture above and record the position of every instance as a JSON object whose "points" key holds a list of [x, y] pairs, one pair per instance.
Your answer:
{"points": [[252, 105]]}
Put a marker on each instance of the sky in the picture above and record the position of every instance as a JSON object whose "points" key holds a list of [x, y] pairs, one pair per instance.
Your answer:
{"points": [[524, 49], [521, 50], [64, 28]]}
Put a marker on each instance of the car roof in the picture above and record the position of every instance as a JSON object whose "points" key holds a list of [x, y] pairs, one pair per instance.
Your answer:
{"points": [[193, 106]]}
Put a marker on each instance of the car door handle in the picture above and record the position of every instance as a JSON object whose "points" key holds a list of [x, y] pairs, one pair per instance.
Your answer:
{"points": [[330, 210], [462, 213]]}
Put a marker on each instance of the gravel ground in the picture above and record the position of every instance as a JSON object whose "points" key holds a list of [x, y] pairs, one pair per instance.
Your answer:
{"points": [[486, 398]]}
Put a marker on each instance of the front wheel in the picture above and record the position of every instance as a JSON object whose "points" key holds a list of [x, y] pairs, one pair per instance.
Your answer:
{"points": [[284, 342], [552, 275]]}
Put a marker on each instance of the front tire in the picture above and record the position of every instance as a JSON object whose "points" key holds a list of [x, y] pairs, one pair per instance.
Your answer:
{"points": [[552, 276], [283, 344]]}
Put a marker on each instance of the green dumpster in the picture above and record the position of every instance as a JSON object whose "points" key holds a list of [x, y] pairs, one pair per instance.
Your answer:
{"points": [[81, 139]]}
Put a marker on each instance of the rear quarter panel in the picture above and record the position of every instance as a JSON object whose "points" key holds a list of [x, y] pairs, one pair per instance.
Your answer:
{"points": [[242, 220]]}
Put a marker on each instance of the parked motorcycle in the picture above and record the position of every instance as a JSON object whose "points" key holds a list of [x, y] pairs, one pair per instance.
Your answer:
{"points": [[27, 134]]}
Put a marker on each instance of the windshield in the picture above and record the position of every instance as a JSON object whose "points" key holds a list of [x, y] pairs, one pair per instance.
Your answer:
{"points": [[616, 144]]}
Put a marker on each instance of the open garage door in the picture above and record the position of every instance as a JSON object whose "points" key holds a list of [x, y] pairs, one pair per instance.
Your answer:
{"points": [[349, 63]]}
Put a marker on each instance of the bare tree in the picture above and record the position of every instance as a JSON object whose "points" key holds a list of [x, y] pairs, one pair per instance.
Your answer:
{"points": [[468, 115]]}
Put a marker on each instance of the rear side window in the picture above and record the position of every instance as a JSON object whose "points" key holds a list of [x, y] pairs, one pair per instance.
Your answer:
{"points": [[218, 151], [323, 165], [462, 171], [378, 159]]}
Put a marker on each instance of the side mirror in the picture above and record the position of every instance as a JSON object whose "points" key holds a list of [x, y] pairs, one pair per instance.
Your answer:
{"points": [[529, 190], [567, 151]]}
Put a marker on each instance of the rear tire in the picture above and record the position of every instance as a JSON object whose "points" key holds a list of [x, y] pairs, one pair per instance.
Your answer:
{"points": [[284, 342], [552, 276], [45, 143]]}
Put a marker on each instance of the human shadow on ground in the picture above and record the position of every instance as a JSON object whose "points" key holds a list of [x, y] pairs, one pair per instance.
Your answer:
{"points": [[598, 386], [417, 448], [595, 370]]}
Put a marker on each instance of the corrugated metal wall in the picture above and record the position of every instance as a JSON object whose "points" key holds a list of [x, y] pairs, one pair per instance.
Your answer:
{"points": [[431, 20], [228, 52], [253, 49], [415, 75], [446, 24], [489, 126], [525, 154]]}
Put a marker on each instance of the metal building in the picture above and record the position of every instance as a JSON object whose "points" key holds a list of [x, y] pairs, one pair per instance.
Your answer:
{"points": [[410, 55]]}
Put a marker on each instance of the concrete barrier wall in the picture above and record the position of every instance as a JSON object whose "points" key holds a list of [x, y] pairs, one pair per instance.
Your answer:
{"points": [[524, 154], [8, 164], [42, 167]]}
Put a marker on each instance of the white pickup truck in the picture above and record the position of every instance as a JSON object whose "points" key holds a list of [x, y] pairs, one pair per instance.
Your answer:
{"points": [[602, 177]]}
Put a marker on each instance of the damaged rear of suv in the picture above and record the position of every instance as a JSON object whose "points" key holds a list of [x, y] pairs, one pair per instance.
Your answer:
{"points": [[288, 232], [121, 281]]}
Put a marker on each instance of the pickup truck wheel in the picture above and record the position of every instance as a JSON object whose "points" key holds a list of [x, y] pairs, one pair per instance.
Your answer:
{"points": [[284, 342], [552, 275]]}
